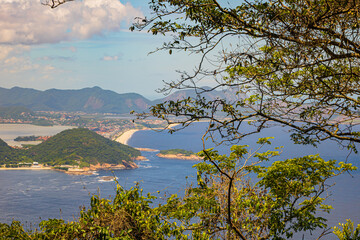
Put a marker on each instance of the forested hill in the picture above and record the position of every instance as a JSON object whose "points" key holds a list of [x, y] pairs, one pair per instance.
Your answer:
{"points": [[14, 112], [77, 146], [86, 100], [7, 154], [81, 145]]}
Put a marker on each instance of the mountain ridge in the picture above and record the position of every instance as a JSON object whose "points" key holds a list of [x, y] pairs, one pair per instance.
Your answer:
{"points": [[90, 100], [93, 99]]}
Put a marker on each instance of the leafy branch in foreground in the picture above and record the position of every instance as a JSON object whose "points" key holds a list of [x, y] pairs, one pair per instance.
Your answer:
{"points": [[240, 196], [285, 200], [297, 63], [348, 232]]}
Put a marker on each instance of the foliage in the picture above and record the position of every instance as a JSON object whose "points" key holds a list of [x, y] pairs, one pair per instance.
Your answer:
{"points": [[128, 216], [83, 145], [13, 231], [177, 151], [229, 205], [26, 138], [15, 112], [348, 232], [224, 204], [42, 122], [78, 146], [296, 63], [9, 155]]}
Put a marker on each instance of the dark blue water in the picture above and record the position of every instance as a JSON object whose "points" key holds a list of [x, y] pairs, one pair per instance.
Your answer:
{"points": [[344, 196], [30, 196]]}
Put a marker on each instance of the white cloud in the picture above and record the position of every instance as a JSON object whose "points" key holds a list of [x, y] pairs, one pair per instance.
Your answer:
{"points": [[73, 49], [28, 22], [111, 58], [13, 59], [9, 50]]}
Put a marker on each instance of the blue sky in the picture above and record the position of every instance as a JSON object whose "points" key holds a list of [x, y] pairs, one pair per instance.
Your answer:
{"points": [[83, 44]]}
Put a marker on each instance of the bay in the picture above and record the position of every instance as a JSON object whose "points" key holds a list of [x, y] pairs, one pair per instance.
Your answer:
{"points": [[30, 196], [8, 132]]}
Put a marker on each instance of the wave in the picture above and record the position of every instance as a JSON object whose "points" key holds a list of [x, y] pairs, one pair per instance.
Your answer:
{"points": [[107, 178], [146, 166]]}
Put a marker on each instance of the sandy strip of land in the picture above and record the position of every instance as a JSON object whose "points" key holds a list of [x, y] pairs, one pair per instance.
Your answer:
{"points": [[180, 156], [147, 149], [173, 125], [125, 137], [27, 168]]}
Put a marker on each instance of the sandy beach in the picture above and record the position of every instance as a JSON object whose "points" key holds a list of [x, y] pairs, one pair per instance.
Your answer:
{"points": [[27, 168], [124, 138]]}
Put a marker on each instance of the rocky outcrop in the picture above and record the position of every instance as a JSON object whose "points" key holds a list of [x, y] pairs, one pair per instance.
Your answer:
{"points": [[140, 158], [105, 166]]}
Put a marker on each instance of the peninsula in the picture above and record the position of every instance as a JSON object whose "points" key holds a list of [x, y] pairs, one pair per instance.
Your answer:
{"points": [[74, 151], [178, 154]]}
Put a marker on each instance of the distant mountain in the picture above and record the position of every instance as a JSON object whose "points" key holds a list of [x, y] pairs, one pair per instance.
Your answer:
{"points": [[228, 94], [81, 146], [94, 100], [89, 100]]}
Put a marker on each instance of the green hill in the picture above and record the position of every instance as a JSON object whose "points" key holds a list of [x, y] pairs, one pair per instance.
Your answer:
{"points": [[8, 155], [15, 112], [77, 146], [178, 151], [81, 146]]}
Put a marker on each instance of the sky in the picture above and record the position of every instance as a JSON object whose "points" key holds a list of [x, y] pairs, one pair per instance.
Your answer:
{"points": [[83, 44]]}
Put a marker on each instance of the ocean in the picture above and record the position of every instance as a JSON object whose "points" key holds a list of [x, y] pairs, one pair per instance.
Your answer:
{"points": [[31, 196]]}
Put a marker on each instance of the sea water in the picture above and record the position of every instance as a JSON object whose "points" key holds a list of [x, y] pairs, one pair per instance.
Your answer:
{"points": [[30, 196]]}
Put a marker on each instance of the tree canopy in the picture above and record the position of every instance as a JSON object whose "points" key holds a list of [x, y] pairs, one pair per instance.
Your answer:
{"points": [[297, 64], [296, 61]]}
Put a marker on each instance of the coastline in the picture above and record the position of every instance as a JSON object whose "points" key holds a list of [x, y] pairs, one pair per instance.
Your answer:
{"points": [[125, 137], [27, 168], [72, 170], [180, 156]]}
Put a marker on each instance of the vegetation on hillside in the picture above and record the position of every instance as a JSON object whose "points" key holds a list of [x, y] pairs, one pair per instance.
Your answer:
{"points": [[26, 138], [286, 200], [9, 155], [76, 146], [297, 63], [177, 151], [81, 145], [15, 112]]}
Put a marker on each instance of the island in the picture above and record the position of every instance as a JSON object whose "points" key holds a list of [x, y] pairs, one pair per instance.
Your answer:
{"points": [[73, 151], [178, 154], [30, 138]]}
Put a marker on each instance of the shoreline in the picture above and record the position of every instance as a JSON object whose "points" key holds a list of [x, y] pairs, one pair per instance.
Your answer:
{"points": [[79, 171], [125, 137], [192, 157], [27, 168]]}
